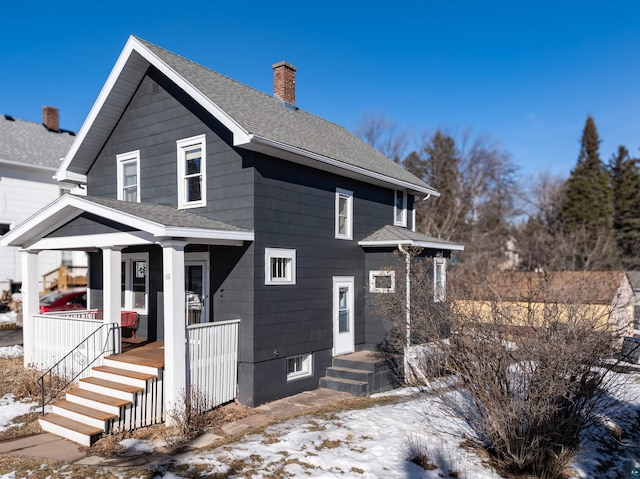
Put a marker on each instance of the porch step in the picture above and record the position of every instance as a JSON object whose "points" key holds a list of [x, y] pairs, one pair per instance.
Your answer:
{"points": [[97, 401], [86, 415], [110, 388], [356, 388], [70, 429], [361, 373], [141, 365], [124, 376]]}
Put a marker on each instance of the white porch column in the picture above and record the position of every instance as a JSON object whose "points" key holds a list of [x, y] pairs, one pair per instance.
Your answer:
{"points": [[175, 329], [30, 303], [111, 281]]}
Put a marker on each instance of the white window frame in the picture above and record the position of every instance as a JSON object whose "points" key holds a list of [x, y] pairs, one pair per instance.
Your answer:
{"points": [[280, 253], [10, 224], [122, 159], [372, 281], [183, 146], [306, 368], [439, 291], [128, 260], [348, 195], [400, 214]]}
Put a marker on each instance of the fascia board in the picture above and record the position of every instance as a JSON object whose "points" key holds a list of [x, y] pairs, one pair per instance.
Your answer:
{"points": [[261, 141], [420, 244], [176, 232], [92, 241], [240, 135]]}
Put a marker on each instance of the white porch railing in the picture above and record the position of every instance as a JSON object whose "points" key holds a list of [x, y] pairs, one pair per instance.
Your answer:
{"points": [[56, 334], [213, 360]]}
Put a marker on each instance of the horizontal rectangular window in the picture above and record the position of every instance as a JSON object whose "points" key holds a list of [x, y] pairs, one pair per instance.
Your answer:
{"points": [[4, 228], [299, 366], [382, 281], [279, 266]]}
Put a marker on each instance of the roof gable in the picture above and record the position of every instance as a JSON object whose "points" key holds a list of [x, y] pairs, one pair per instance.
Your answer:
{"points": [[257, 121]]}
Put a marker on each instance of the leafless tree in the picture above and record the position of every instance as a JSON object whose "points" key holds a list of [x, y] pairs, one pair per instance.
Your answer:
{"points": [[532, 361], [384, 135]]}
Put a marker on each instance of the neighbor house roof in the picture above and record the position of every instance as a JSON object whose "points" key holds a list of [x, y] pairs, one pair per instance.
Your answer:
{"points": [[153, 222], [578, 287], [257, 121], [392, 236], [31, 144]]}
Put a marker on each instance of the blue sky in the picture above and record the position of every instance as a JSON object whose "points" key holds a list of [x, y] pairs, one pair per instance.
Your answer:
{"points": [[526, 73]]}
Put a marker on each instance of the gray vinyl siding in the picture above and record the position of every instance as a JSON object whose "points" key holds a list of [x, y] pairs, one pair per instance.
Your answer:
{"points": [[295, 209], [376, 260]]}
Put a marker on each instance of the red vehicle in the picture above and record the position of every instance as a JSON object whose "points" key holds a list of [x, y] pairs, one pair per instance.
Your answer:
{"points": [[65, 300]]}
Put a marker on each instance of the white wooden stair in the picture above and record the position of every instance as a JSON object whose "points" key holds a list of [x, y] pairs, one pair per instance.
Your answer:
{"points": [[104, 401]]}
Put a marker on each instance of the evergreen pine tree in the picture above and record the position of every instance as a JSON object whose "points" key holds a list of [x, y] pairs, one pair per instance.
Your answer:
{"points": [[588, 212], [625, 185], [439, 167]]}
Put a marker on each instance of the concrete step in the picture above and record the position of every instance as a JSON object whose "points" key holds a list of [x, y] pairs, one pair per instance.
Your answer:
{"points": [[94, 400], [83, 414], [349, 373], [123, 376], [70, 429], [357, 388], [110, 388]]}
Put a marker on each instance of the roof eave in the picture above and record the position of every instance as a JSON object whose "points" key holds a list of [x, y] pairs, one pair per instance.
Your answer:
{"points": [[419, 244], [299, 155]]}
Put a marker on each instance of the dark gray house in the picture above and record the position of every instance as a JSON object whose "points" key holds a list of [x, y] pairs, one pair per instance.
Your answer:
{"points": [[208, 201]]}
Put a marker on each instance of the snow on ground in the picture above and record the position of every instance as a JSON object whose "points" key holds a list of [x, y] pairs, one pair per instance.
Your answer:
{"points": [[376, 442], [10, 409], [9, 317], [11, 351]]}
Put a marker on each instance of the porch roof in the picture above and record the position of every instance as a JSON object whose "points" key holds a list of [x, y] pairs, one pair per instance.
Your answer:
{"points": [[392, 236], [149, 224]]}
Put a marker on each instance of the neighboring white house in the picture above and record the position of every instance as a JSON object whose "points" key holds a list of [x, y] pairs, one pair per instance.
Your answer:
{"points": [[29, 157]]}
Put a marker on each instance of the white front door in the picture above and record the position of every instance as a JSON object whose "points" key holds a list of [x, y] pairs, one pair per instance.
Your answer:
{"points": [[343, 314], [196, 288]]}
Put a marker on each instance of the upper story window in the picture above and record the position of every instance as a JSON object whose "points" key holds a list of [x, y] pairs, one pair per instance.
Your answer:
{"points": [[344, 214], [400, 208], [279, 266], [129, 176], [439, 279], [192, 175]]}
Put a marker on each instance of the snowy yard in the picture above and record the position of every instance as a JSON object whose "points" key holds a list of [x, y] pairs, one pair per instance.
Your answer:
{"points": [[370, 443]]}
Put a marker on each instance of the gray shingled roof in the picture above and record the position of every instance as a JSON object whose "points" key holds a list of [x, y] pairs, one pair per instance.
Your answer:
{"points": [[395, 234], [162, 214], [267, 117], [32, 144]]}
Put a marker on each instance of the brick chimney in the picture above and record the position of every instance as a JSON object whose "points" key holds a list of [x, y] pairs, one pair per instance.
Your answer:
{"points": [[284, 82], [50, 118]]}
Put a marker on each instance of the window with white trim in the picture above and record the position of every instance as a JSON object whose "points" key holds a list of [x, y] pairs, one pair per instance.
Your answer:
{"points": [[134, 282], [439, 279], [344, 214], [400, 208], [128, 176], [279, 266], [192, 174], [299, 366], [382, 281], [4, 228]]}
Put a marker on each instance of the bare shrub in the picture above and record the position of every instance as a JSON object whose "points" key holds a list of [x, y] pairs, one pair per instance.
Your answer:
{"points": [[188, 415], [533, 364]]}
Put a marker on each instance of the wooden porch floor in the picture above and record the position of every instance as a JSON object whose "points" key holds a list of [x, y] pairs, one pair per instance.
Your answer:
{"points": [[150, 354]]}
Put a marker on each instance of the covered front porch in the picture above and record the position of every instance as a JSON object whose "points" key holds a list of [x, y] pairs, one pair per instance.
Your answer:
{"points": [[140, 258]]}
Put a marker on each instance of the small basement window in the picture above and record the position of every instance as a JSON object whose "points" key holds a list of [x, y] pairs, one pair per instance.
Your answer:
{"points": [[382, 281], [299, 366], [279, 266], [4, 228]]}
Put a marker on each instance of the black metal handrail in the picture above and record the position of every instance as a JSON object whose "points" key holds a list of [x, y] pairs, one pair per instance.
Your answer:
{"points": [[60, 375]]}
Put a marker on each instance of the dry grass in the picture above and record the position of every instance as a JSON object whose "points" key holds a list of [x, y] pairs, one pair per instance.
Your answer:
{"points": [[22, 383]]}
